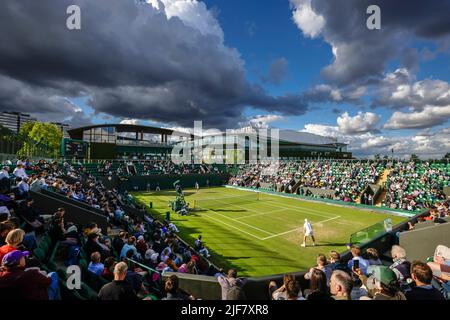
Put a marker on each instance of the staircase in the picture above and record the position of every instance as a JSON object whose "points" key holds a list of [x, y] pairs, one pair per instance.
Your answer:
{"points": [[299, 182], [381, 181], [297, 185], [358, 199]]}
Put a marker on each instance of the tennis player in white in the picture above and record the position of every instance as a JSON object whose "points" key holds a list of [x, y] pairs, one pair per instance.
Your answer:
{"points": [[308, 232]]}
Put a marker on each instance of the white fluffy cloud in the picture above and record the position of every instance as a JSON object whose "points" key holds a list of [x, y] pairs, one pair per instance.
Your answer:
{"points": [[130, 121], [193, 13], [426, 144], [263, 121], [399, 89], [306, 19], [361, 123], [322, 130], [428, 117]]}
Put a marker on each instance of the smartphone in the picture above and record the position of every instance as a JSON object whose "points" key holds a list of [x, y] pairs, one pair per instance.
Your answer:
{"points": [[355, 264]]}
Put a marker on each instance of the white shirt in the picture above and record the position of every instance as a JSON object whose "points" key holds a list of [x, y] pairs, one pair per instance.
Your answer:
{"points": [[20, 172], [4, 209], [4, 174], [307, 227], [23, 186]]}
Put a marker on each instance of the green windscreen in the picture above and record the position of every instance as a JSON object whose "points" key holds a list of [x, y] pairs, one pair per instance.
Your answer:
{"points": [[371, 232]]}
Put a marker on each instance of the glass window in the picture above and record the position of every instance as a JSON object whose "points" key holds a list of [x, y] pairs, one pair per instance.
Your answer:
{"points": [[87, 135]]}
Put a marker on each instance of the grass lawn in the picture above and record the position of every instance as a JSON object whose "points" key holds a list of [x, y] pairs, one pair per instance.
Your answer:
{"points": [[261, 236]]}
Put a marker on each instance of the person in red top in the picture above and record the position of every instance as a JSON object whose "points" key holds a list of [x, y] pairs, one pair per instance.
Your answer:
{"points": [[18, 283], [141, 246], [107, 272], [13, 240]]}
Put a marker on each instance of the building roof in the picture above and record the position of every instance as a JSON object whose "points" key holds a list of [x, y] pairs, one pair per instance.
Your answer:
{"points": [[77, 132]]}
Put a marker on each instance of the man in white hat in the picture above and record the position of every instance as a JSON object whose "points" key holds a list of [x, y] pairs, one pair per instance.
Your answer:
{"points": [[308, 232]]}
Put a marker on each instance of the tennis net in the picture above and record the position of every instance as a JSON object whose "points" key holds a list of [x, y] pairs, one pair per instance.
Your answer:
{"points": [[211, 203]]}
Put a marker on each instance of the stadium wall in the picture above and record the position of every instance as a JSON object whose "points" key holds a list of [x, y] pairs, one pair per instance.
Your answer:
{"points": [[74, 212], [165, 181], [257, 288], [421, 242]]}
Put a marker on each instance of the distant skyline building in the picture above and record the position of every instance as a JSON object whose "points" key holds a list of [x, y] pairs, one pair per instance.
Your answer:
{"points": [[64, 128], [13, 120]]}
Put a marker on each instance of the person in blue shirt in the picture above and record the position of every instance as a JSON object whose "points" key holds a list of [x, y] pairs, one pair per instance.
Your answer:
{"points": [[95, 266], [23, 186], [130, 245], [363, 263]]}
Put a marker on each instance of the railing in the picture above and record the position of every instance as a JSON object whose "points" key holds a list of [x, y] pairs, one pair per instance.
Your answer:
{"points": [[143, 143]]}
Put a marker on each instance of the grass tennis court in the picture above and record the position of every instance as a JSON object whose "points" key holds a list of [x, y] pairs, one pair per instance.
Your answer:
{"points": [[260, 234]]}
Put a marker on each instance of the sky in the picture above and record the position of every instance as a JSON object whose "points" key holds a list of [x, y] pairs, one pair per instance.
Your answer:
{"points": [[305, 65]]}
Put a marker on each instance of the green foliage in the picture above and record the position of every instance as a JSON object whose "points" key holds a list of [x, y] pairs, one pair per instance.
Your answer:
{"points": [[5, 131], [40, 135], [414, 157], [26, 128]]}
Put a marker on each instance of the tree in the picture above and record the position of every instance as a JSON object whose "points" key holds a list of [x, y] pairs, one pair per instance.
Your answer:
{"points": [[414, 157], [447, 156], [41, 135], [26, 128]]}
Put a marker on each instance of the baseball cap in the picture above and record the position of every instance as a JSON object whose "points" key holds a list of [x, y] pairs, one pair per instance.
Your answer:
{"points": [[154, 257], [72, 228], [382, 273], [148, 254], [13, 258]]}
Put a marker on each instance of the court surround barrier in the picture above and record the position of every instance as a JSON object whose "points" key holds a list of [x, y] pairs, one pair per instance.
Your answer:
{"points": [[370, 232], [208, 288], [256, 288], [421, 242]]}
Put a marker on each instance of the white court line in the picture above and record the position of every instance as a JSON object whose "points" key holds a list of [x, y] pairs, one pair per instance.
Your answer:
{"points": [[246, 224], [246, 209], [260, 214], [299, 209], [229, 225], [303, 209], [235, 205], [309, 209], [288, 207], [296, 229]]}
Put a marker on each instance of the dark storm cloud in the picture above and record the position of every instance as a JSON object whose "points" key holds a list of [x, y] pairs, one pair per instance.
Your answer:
{"points": [[362, 54], [130, 60], [277, 71]]}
